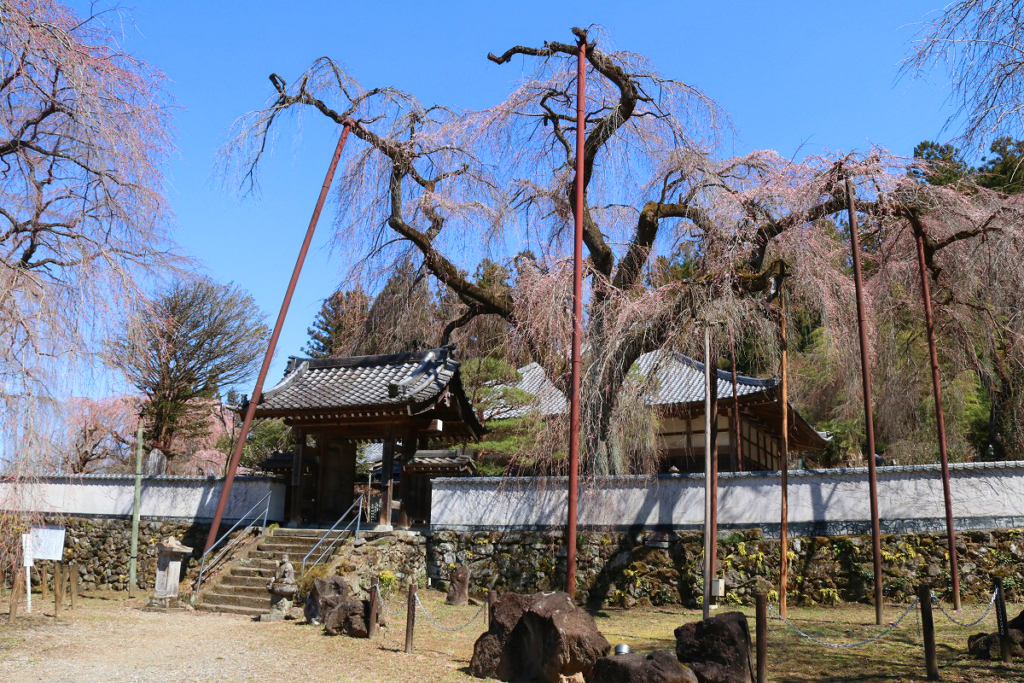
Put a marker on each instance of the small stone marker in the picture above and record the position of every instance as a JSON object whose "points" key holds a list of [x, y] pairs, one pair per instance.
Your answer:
{"points": [[170, 553], [458, 586]]}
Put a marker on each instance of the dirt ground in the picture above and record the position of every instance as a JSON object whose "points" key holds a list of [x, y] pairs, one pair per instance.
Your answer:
{"points": [[110, 639]]}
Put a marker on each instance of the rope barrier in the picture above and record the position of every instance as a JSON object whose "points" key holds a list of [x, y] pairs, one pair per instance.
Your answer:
{"points": [[991, 604], [868, 641], [449, 629]]}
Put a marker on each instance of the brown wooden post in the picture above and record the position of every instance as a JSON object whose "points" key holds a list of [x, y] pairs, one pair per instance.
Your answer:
{"points": [[58, 592], [387, 467], [1001, 622], [44, 590], [295, 513], [372, 629], [492, 597], [931, 662], [74, 586], [404, 487], [410, 618], [761, 624], [15, 596]]}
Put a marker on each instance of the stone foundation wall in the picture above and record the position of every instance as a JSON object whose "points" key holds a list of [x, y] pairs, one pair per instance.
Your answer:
{"points": [[651, 567], [101, 548]]}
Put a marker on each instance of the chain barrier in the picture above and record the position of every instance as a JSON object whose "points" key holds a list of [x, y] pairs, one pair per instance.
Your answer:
{"points": [[449, 629], [868, 641], [380, 598], [991, 604]]}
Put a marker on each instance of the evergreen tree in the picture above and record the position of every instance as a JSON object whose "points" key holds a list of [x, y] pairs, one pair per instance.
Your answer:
{"points": [[339, 324]]}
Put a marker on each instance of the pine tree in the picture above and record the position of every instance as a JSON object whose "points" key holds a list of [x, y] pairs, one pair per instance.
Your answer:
{"points": [[339, 324]]}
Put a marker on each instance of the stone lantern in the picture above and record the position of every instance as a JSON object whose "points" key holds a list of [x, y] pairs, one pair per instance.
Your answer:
{"points": [[170, 553]]}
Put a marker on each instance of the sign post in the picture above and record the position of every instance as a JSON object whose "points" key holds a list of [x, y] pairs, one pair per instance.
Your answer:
{"points": [[26, 551]]}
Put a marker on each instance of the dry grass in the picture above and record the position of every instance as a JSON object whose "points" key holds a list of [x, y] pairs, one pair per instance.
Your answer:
{"points": [[109, 639]]}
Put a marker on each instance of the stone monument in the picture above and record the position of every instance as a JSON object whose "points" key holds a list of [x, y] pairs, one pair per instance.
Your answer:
{"points": [[282, 589], [170, 553]]}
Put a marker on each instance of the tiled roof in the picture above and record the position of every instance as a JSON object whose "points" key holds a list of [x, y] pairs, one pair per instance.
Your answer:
{"points": [[448, 458], [672, 379], [677, 378], [534, 381], [358, 381]]}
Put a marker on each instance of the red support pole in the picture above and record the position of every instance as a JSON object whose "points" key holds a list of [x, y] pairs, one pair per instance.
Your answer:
{"points": [[735, 408], [869, 422], [577, 323], [250, 411], [784, 461], [954, 564]]}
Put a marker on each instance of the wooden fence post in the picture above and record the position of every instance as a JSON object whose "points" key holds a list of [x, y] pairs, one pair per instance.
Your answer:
{"points": [[1001, 621], [931, 662], [74, 586], [372, 629], [15, 597], [492, 597], [410, 618], [761, 624], [58, 588]]}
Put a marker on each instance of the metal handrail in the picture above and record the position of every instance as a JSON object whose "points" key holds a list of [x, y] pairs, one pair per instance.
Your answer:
{"points": [[356, 520], [265, 501]]}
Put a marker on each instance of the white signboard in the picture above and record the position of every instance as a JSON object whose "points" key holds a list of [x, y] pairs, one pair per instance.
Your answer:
{"points": [[26, 549], [47, 542]]}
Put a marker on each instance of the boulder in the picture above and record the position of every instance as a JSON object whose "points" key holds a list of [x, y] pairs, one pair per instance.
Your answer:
{"points": [[543, 636], [660, 666], [351, 618], [458, 586], [491, 657], [986, 645], [717, 649], [324, 597]]}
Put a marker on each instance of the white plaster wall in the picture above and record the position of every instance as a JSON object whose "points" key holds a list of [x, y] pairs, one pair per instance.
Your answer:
{"points": [[904, 493], [166, 497]]}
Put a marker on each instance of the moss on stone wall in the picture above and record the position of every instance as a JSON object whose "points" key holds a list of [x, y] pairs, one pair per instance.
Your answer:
{"points": [[654, 568]]}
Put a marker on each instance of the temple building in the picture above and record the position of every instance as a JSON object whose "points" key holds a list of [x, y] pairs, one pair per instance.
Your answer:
{"points": [[337, 405], [673, 385]]}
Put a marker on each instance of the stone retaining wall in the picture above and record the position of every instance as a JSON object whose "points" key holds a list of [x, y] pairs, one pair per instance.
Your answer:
{"points": [[652, 567], [100, 549]]}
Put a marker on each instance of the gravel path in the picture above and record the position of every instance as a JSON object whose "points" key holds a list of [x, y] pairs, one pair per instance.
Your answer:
{"points": [[112, 640]]}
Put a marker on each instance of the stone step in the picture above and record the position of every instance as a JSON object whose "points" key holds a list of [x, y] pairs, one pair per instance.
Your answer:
{"points": [[232, 609], [258, 590], [261, 602], [263, 573], [245, 580]]}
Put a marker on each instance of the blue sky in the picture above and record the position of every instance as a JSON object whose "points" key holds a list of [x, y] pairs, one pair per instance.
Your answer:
{"points": [[798, 77]]}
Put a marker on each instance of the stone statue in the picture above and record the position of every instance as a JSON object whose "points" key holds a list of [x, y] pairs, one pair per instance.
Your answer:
{"points": [[282, 589]]}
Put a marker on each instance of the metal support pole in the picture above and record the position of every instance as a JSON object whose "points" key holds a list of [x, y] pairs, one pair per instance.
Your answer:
{"points": [[869, 422], [940, 417], [410, 619], [708, 549], [931, 662], [136, 511], [712, 437], [784, 461], [735, 407], [577, 323], [229, 478], [761, 624]]}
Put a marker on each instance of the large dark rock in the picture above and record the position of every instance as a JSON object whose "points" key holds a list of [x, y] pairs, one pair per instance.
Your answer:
{"points": [[660, 666], [986, 645], [458, 586], [324, 597], [543, 636], [717, 649], [351, 618]]}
